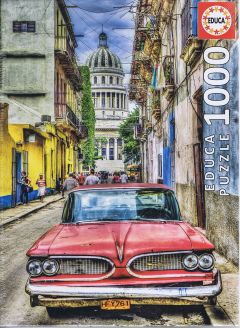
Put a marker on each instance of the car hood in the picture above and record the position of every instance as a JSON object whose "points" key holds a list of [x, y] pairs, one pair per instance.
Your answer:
{"points": [[119, 241]]}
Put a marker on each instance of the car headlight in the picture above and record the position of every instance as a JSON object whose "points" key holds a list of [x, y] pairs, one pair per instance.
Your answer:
{"points": [[50, 267], [206, 262], [190, 262], [34, 268]]}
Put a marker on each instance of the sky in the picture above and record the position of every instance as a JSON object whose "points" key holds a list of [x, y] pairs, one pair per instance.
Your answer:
{"points": [[117, 19]]}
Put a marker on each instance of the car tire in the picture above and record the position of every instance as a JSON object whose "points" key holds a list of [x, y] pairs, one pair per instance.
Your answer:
{"points": [[52, 312], [212, 300]]}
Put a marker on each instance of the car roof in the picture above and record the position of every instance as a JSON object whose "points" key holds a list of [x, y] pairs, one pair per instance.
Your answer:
{"points": [[122, 186]]}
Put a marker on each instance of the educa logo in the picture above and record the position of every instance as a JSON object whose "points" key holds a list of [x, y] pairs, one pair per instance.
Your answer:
{"points": [[216, 20]]}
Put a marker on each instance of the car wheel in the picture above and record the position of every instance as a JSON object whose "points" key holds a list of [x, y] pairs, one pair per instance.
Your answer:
{"points": [[212, 300], [52, 312]]}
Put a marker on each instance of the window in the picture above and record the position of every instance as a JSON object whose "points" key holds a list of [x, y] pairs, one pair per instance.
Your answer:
{"points": [[103, 79], [24, 26], [189, 20], [111, 154], [111, 80], [117, 100], [104, 152], [95, 80], [111, 149], [119, 205], [25, 161], [117, 80], [103, 100], [113, 100]]}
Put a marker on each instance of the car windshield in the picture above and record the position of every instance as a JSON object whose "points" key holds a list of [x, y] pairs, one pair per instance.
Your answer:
{"points": [[121, 205]]}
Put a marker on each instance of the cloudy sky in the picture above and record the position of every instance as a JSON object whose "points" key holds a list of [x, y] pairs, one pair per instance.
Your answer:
{"points": [[117, 18]]}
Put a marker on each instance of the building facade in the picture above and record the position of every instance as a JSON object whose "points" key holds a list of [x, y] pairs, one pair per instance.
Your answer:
{"points": [[167, 82], [39, 95], [111, 105]]}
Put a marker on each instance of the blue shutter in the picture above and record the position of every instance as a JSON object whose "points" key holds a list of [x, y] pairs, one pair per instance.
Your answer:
{"points": [[194, 10]]}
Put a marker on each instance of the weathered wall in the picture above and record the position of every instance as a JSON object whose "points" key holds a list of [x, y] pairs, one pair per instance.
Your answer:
{"points": [[34, 72], [222, 224]]}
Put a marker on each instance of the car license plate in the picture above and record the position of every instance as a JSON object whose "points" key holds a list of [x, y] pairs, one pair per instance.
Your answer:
{"points": [[115, 305]]}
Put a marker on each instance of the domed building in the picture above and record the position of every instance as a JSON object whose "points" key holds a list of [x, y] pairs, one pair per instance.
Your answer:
{"points": [[111, 105]]}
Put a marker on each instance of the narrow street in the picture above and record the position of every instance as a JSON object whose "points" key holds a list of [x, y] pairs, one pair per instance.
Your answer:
{"points": [[15, 308]]}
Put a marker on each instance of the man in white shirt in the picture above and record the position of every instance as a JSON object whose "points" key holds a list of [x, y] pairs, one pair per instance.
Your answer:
{"points": [[124, 177], [91, 179]]}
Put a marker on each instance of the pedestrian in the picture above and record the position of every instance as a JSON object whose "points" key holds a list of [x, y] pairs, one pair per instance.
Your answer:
{"points": [[59, 185], [41, 182], [69, 183], [124, 177], [92, 178], [81, 179], [25, 183], [116, 178], [105, 177]]}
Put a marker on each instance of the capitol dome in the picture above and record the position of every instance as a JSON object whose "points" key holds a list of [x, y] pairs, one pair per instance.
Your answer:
{"points": [[103, 59]]}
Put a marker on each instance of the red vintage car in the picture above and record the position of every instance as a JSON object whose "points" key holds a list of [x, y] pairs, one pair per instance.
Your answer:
{"points": [[119, 245]]}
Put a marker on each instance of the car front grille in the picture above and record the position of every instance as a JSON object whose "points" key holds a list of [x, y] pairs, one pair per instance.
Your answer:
{"points": [[88, 266], [157, 262]]}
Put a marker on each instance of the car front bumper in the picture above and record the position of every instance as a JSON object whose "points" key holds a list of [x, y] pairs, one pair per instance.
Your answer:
{"points": [[68, 296]]}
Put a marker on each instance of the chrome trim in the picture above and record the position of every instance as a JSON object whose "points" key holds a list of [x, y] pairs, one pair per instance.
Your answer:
{"points": [[104, 292], [84, 257], [150, 254]]}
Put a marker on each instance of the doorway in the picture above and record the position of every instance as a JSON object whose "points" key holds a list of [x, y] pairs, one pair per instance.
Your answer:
{"points": [[16, 176]]}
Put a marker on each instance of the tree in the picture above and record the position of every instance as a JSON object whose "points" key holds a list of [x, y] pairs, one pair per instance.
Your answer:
{"points": [[131, 148], [88, 117]]}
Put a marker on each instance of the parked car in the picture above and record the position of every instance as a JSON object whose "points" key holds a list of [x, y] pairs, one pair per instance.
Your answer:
{"points": [[119, 245]]}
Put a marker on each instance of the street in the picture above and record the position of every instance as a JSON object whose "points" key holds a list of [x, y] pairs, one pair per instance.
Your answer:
{"points": [[15, 308]]}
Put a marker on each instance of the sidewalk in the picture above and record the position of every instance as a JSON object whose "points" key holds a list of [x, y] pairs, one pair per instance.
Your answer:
{"points": [[16, 213]]}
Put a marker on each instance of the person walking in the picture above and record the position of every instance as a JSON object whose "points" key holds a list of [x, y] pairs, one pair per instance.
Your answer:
{"points": [[124, 177], [41, 183], [69, 183], [92, 179], [116, 178], [25, 183], [81, 179]]}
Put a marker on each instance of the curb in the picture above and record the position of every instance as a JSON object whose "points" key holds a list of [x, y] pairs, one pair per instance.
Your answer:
{"points": [[217, 316], [23, 215]]}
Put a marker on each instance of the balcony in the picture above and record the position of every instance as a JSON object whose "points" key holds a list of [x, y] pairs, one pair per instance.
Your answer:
{"points": [[67, 120], [65, 53], [191, 46], [82, 131], [192, 51], [168, 70]]}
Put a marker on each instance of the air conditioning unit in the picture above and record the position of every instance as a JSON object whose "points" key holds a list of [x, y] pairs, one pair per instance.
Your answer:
{"points": [[46, 118]]}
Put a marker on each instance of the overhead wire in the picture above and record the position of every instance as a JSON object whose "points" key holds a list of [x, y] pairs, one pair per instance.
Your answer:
{"points": [[100, 12]]}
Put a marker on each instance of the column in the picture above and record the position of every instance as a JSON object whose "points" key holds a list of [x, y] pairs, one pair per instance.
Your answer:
{"points": [[115, 148], [107, 150], [100, 106], [110, 100]]}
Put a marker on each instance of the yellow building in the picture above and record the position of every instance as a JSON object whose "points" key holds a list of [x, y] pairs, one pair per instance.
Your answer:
{"points": [[40, 89]]}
